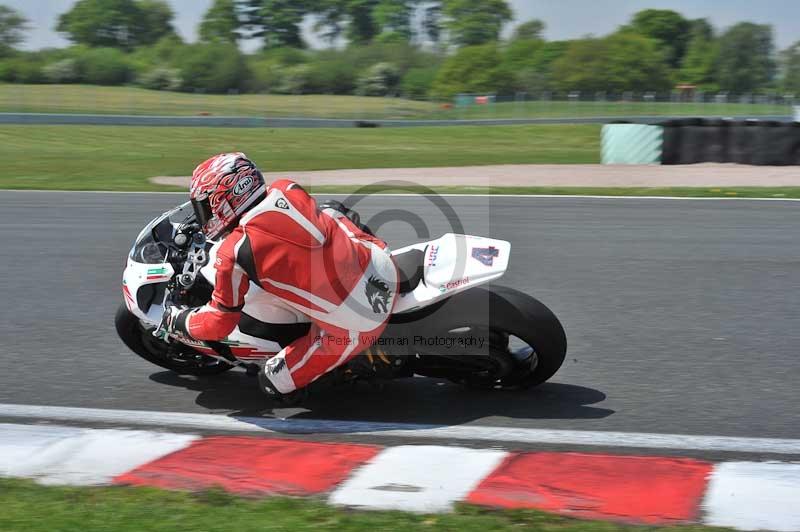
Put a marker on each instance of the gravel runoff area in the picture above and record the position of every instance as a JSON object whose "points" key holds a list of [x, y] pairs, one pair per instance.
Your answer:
{"points": [[546, 175]]}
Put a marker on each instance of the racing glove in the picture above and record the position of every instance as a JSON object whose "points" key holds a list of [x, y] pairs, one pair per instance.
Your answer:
{"points": [[173, 322], [351, 215]]}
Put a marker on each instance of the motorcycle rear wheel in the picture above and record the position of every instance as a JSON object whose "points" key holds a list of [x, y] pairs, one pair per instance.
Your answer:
{"points": [[141, 341], [500, 314]]}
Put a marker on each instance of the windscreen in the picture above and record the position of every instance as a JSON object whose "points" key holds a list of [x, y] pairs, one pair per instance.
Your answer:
{"points": [[151, 245]]}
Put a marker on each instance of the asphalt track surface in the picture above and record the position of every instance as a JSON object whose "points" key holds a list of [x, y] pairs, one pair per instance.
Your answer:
{"points": [[683, 317]]}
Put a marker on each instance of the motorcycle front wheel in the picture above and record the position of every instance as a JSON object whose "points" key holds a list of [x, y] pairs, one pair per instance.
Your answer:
{"points": [[175, 357]]}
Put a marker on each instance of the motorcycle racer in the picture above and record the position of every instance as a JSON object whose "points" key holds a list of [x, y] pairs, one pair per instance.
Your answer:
{"points": [[317, 262]]}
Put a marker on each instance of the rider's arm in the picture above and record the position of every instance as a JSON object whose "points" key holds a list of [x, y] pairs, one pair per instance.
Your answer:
{"points": [[217, 319]]}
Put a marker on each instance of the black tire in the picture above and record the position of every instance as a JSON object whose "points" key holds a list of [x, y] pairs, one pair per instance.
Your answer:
{"points": [[514, 313], [141, 341]]}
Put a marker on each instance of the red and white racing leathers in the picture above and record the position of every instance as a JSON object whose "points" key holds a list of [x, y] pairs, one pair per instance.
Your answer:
{"points": [[318, 263]]}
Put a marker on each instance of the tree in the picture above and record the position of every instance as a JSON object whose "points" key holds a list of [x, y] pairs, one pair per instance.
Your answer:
{"points": [[156, 21], [104, 66], [521, 53], [216, 67], [354, 18], [701, 56], [394, 18], [624, 61], [471, 23], [667, 27], [379, 80], [532, 63], [583, 67], [12, 29], [277, 22], [745, 61], [432, 22], [531, 30], [473, 69], [221, 22], [520, 57], [361, 21], [331, 19], [121, 24], [361, 24], [701, 28], [790, 63], [101, 23], [418, 81], [637, 64]]}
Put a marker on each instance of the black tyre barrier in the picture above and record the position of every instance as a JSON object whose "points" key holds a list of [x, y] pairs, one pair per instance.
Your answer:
{"points": [[774, 144], [794, 146], [671, 150], [743, 140], [694, 140], [713, 140]]}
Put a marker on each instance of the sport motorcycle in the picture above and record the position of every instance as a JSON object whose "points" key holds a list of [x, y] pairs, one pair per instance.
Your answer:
{"points": [[447, 321]]}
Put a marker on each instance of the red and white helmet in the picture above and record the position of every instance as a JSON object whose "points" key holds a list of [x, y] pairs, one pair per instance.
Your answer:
{"points": [[223, 189]]}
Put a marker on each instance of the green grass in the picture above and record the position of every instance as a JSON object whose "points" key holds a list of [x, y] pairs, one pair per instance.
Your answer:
{"points": [[123, 158], [31, 508], [135, 101], [545, 109]]}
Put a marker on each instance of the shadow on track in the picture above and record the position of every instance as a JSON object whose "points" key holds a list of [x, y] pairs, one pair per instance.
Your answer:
{"points": [[420, 401]]}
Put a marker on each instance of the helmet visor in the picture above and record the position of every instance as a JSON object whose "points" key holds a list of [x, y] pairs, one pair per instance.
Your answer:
{"points": [[202, 210]]}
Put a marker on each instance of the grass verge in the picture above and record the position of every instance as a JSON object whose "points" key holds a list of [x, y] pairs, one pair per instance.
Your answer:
{"points": [[91, 99], [123, 158], [31, 508], [119, 158]]}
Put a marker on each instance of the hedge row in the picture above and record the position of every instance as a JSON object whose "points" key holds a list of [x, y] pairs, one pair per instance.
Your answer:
{"points": [[375, 70]]}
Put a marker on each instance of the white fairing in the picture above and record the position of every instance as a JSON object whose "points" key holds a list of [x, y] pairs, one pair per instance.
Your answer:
{"points": [[137, 275], [454, 263]]}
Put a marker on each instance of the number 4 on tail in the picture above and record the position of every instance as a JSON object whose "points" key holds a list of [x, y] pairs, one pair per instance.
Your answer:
{"points": [[486, 255]]}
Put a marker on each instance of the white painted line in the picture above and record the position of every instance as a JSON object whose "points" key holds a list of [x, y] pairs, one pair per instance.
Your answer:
{"points": [[447, 195], [62, 455], [214, 422], [417, 478], [754, 496]]}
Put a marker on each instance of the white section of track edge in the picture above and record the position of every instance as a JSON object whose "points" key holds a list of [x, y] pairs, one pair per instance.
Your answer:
{"points": [[417, 478], [212, 422], [754, 496], [83, 457]]}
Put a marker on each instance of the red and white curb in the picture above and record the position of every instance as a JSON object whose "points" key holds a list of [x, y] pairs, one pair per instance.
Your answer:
{"points": [[417, 478]]}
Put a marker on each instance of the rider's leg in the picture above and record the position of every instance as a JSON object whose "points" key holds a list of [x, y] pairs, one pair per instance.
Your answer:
{"points": [[319, 352], [360, 320]]}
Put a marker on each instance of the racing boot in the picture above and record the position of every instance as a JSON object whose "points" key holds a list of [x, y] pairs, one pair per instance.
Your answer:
{"points": [[274, 377]]}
